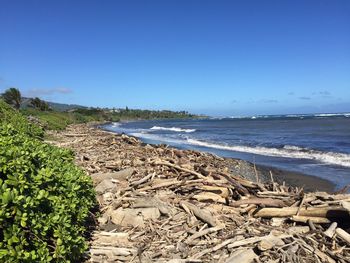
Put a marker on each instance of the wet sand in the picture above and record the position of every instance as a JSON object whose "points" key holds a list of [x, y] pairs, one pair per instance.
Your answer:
{"points": [[308, 182]]}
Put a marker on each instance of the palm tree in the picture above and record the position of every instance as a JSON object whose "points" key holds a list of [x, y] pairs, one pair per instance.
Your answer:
{"points": [[13, 97]]}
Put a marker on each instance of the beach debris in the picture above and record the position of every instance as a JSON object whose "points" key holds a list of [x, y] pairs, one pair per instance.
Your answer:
{"points": [[160, 204]]}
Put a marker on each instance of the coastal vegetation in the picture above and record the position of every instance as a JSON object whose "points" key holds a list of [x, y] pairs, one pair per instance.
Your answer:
{"points": [[58, 120], [56, 116], [45, 198]]}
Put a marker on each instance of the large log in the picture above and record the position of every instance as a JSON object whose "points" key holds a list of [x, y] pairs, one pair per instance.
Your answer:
{"points": [[343, 235], [313, 219], [326, 212], [259, 201], [115, 251]]}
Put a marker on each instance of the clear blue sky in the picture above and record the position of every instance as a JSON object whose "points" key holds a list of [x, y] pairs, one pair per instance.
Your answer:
{"points": [[214, 57]]}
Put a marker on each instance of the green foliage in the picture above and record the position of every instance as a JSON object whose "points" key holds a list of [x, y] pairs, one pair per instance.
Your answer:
{"points": [[52, 120], [39, 104], [44, 201], [152, 114], [12, 96], [9, 116], [44, 198], [58, 120]]}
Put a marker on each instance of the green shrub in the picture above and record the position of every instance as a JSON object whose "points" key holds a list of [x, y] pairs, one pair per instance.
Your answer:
{"points": [[10, 116], [44, 200]]}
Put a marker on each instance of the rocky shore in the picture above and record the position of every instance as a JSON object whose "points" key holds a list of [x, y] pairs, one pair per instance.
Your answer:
{"points": [[161, 204]]}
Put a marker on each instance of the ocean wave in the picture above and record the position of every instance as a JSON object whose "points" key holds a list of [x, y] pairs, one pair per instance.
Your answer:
{"points": [[174, 129], [293, 116], [287, 151]]}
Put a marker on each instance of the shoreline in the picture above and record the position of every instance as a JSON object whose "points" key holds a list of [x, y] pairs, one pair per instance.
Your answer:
{"points": [[246, 169], [186, 205]]}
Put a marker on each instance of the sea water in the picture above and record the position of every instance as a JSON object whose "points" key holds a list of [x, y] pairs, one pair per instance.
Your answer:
{"points": [[316, 144]]}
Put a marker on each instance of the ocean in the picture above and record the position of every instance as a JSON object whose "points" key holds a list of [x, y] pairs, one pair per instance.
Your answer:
{"points": [[317, 145]]}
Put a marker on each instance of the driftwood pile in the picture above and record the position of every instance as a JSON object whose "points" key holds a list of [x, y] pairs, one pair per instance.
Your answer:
{"points": [[160, 204]]}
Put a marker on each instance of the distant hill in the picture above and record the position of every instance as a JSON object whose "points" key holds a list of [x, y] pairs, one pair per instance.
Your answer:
{"points": [[54, 105]]}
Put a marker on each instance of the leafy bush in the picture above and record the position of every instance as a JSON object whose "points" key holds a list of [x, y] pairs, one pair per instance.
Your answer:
{"points": [[56, 120], [9, 116], [44, 200]]}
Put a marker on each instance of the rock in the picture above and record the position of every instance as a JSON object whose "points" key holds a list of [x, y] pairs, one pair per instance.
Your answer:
{"points": [[108, 197], [153, 202], [209, 196], [102, 238], [134, 217], [102, 220], [278, 221], [104, 186], [242, 256], [120, 175]]}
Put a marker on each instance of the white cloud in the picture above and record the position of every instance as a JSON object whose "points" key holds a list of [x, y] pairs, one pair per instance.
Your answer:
{"points": [[41, 92]]}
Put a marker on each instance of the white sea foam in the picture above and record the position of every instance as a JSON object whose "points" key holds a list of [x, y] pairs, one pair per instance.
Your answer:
{"points": [[332, 114], [174, 129], [301, 116], [116, 124], [287, 152]]}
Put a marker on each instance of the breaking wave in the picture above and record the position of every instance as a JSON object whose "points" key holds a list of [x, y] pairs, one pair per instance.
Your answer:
{"points": [[174, 129], [288, 151]]}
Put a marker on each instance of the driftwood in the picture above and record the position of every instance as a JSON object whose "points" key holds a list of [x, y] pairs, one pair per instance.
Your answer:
{"points": [[203, 233], [259, 201], [313, 219], [160, 204], [201, 213], [331, 230], [115, 251], [343, 235], [180, 168], [326, 212]]}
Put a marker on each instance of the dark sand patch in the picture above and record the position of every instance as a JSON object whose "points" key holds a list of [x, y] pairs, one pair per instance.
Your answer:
{"points": [[296, 179], [308, 182]]}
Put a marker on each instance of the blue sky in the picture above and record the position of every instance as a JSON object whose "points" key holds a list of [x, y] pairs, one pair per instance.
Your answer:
{"points": [[213, 57]]}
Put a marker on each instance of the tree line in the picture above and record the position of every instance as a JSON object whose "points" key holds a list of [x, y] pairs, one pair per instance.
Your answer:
{"points": [[13, 97]]}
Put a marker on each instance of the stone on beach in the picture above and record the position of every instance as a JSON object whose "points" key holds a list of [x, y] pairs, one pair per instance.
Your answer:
{"points": [[135, 217]]}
